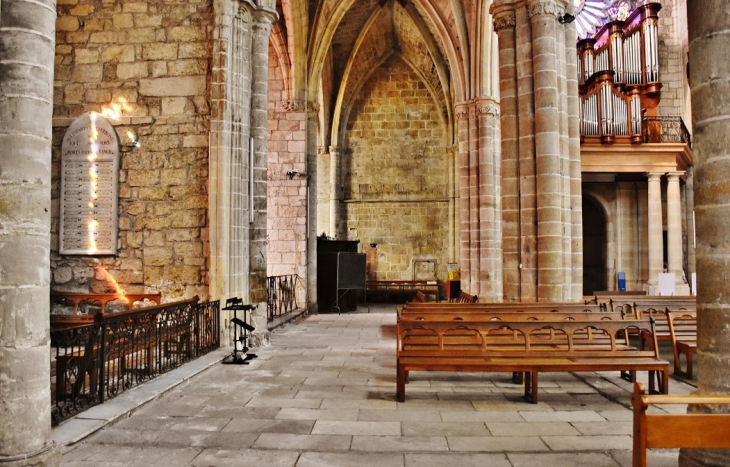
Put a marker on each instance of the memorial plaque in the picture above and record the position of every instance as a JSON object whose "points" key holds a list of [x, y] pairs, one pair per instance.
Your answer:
{"points": [[89, 187]]}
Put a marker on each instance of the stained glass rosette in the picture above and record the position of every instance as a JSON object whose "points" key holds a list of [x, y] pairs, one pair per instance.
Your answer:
{"points": [[591, 15]]}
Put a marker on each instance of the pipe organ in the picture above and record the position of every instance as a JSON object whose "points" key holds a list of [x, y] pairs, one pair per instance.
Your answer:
{"points": [[618, 74]]}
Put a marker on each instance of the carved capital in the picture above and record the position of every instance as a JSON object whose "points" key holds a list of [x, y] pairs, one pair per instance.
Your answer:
{"points": [[488, 107], [291, 105], [544, 7], [452, 150], [462, 112], [322, 150], [265, 19], [505, 20], [244, 13]]}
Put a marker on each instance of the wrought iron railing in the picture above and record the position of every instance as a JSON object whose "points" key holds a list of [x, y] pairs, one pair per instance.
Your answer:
{"points": [[121, 350], [665, 130], [281, 295]]}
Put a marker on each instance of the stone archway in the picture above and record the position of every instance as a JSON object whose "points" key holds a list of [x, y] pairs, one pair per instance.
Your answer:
{"points": [[594, 247]]}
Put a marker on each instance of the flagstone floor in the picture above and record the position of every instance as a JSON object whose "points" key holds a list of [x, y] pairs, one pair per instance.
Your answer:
{"points": [[323, 395]]}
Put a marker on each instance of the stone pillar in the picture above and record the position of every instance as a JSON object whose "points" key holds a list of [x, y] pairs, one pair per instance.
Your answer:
{"points": [[473, 212], [576, 189], [335, 190], [261, 30], [709, 36], [490, 260], [655, 229], [549, 181], [462, 115], [27, 44], [674, 233], [504, 25], [313, 153]]}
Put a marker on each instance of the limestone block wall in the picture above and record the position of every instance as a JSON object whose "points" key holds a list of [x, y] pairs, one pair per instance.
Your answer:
{"points": [[155, 57], [673, 58], [395, 173]]}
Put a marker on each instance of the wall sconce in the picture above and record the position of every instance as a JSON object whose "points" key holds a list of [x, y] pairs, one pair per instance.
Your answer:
{"points": [[566, 18], [133, 139], [291, 175]]}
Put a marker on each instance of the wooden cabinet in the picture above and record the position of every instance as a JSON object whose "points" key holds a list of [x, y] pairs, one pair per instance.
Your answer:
{"points": [[453, 287], [327, 274]]}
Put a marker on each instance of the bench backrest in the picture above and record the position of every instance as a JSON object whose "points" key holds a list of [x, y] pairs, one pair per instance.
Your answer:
{"points": [[466, 298], [415, 315], [490, 307], [681, 324], [520, 338]]}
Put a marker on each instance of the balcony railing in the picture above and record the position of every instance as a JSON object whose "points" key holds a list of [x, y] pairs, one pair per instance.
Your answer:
{"points": [[281, 295], [665, 130], [123, 350]]}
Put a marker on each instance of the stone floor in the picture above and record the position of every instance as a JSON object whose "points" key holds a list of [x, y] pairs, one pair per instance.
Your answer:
{"points": [[323, 396]]}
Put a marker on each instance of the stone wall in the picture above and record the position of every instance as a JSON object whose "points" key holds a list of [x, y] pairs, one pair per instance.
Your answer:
{"points": [[396, 173], [287, 181], [155, 57], [673, 57]]}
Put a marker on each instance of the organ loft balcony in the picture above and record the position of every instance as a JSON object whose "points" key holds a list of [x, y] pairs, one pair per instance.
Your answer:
{"points": [[620, 89], [665, 146]]}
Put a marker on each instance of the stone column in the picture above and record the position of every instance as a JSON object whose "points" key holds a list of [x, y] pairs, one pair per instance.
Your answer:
{"points": [[261, 30], [656, 237], [335, 189], [576, 189], [674, 232], [313, 153], [709, 36], [549, 181], [462, 115], [473, 212], [27, 43], [490, 261], [504, 25], [526, 157]]}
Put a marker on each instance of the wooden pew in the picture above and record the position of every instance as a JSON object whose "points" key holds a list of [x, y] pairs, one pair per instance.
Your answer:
{"points": [[690, 430], [401, 288], [683, 334], [491, 307], [526, 347], [466, 298]]}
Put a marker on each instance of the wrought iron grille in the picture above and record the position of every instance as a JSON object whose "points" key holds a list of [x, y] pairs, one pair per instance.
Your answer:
{"points": [[281, 295], [122, 350], [666, 130]]}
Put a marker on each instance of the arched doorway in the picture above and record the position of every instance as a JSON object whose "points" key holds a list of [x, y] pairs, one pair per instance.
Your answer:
{"points": [[594, 247]]}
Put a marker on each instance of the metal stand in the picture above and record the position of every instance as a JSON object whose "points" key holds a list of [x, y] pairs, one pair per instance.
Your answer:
{"points": [[241, 328]]}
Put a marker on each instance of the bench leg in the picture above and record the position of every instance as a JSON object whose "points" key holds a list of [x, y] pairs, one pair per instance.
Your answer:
{"points": [[400, 385], [531, 386], [518, 377]]}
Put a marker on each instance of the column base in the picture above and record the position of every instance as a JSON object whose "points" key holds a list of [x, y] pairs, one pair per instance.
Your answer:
{"points": [[704, 458], [47, 458]]}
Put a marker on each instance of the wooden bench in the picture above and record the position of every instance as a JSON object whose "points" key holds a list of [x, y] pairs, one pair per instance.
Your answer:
{"points": [[404, 288], [466, 298], [528, 347], [683, 334], [492, 307], [420, 297], [685, 430]]}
